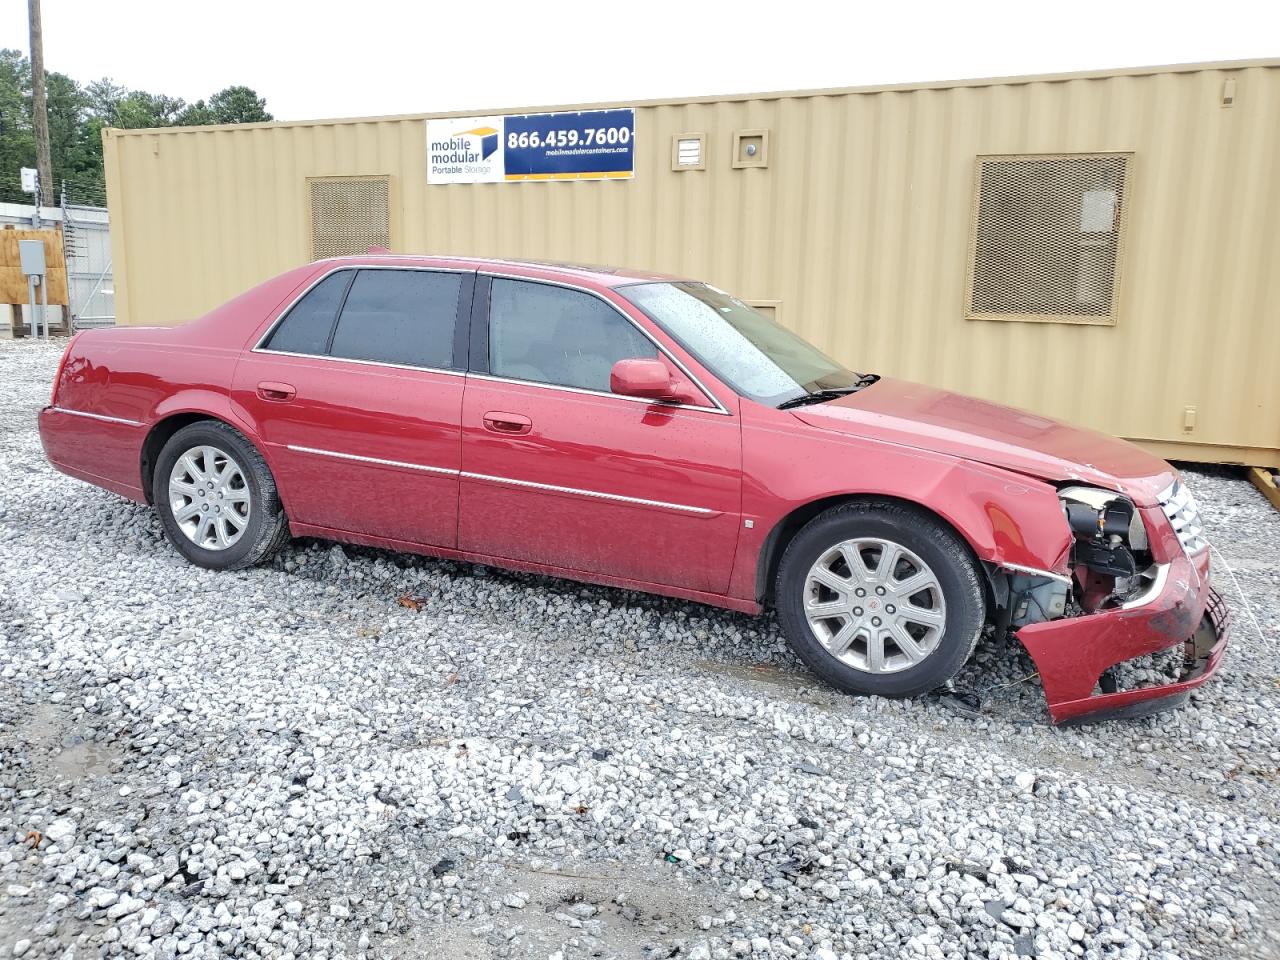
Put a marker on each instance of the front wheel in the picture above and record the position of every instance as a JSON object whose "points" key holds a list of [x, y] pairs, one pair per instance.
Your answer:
{"points": [[880, 598], [216, 498]]}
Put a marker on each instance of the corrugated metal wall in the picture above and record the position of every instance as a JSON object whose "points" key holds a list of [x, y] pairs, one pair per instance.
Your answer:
{"points": [[858, 227]]}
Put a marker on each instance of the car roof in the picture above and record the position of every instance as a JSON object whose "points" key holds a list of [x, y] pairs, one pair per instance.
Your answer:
{"points": [[603, 276]]}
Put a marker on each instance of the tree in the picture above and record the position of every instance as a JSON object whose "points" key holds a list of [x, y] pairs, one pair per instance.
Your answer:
{"points": [[196, 114], [68, 109], [238, 105], [17, 141], [232, 105], [103, 95], [140, 109]]}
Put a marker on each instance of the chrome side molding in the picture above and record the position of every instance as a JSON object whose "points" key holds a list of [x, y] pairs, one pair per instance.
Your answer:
{"points": [[510, 481], [98, 416]]}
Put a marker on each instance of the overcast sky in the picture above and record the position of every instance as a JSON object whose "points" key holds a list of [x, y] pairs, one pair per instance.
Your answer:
{"points": [[326, 58]]}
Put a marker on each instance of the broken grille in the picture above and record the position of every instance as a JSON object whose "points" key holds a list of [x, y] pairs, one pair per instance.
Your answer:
{"points": [[1047, 237], [1184, 515], [349, 215]]}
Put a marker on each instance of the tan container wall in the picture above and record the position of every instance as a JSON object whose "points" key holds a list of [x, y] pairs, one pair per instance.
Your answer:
{"points": [[858, 228]]}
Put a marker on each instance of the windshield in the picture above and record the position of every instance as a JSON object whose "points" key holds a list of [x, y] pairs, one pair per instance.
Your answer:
{"points": [[748, 351]]}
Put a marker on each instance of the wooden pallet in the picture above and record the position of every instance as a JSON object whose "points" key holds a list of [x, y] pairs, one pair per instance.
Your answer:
{"points": [[13, 284], [1265, 481]]}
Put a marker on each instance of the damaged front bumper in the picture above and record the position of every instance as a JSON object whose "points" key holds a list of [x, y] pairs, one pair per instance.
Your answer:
{"points": [[1073, 654]]}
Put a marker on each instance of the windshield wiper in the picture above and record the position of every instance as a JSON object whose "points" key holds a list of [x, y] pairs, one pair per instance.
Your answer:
{"points": [[822, 396], [818, 396]]}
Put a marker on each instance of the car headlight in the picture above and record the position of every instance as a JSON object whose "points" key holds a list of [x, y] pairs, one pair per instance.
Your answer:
{"points": [[1108, 531], [1102, 514]]}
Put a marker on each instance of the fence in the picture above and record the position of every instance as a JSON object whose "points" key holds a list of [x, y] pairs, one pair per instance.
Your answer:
{"points": [[86, 243], [84, 193]]}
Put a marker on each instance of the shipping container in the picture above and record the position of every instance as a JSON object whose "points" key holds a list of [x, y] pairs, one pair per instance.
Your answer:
{"points": [[1101, 247]]}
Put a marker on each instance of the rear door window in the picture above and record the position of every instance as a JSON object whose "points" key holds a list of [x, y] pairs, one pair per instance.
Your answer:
{"points": [[405, 317], [550, 334], [308, 324]]}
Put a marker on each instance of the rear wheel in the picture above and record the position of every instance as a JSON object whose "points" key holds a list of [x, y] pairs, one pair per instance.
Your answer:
{"points": [[880, 598], [216, 498]]}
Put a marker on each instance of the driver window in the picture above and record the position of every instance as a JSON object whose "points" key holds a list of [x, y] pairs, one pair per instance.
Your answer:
{"points": [[550, 334]]}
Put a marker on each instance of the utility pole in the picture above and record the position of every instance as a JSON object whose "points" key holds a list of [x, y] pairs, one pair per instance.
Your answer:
{"points": [[38, 106]]}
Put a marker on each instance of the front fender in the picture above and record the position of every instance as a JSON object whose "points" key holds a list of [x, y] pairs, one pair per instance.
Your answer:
{"points": [[1005, 517]]}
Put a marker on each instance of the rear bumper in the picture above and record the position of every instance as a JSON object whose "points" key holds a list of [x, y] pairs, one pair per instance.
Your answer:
{"points": [[104, 451], [1072, 654]]}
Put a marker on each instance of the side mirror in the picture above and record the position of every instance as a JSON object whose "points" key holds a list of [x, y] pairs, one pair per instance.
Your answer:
{"points": [[642, 378]]}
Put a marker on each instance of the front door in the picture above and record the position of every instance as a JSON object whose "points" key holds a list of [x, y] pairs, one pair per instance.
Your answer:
{"points": [[357, 395], [559, 471]]}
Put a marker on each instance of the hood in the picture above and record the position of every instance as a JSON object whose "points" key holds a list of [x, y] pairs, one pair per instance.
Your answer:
{"points": [[911, 414]]}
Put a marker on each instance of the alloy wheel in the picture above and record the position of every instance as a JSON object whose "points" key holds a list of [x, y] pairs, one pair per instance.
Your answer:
{"points": [[209, 497], [874, 605]]}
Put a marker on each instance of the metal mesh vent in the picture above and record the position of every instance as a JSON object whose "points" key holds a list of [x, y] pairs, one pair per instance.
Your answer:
{"points": [[349, 215], [1047, 237]]}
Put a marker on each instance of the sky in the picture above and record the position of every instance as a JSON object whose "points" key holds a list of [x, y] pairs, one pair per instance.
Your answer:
{"points": [[327, 58]]}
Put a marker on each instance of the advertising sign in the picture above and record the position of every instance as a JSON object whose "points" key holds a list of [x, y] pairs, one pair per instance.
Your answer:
{"points": [[587, 145]]}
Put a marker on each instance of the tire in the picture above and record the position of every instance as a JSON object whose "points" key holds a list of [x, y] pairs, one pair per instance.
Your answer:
{"points": [[223, 471], [873, 643]]}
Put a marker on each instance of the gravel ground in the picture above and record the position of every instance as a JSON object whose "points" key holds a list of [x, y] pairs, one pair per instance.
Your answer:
{"points": [[291, 762]]}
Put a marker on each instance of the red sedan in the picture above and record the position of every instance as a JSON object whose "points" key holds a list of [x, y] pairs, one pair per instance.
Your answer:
{"points": [[651, 433]]}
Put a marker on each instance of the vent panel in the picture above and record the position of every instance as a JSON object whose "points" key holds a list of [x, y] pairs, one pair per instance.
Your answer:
{"points": [[689, 151], [1047, 237], [349, 215]]}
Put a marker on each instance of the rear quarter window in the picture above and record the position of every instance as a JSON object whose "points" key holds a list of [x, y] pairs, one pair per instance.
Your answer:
{"points": [[306, 328]]}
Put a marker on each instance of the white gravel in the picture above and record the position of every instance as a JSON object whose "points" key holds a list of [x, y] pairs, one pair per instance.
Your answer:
{"points": [[287, 762]]}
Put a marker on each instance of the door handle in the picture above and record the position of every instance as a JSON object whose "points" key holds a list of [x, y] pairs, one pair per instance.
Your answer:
{"points": [[276, 392], [510, 423]]}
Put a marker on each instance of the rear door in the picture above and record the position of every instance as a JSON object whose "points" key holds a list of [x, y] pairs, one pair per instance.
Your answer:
{"points": [[559, 471], [357, 394]]}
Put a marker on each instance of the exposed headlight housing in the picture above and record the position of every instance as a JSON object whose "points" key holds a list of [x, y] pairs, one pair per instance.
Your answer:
{"points": [[1110, 559], [1107, 528], [1092, 512], [1138, 534]]}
